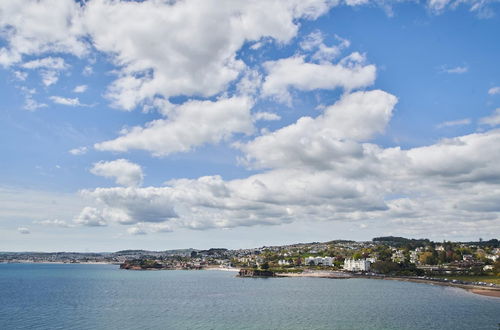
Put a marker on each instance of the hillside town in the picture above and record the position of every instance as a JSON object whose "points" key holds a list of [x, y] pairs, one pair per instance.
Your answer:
{"points": [[382, 255]]}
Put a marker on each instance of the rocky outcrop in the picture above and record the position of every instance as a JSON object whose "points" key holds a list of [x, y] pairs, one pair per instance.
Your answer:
{"points": [[244, 272]]}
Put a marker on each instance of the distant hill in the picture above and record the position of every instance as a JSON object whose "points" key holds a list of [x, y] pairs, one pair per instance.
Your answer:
{"points": [[492, 243], [401, 241]]}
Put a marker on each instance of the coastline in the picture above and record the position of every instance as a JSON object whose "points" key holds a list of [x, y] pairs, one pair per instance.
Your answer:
{"points": [[489, 291], [476, 289]]}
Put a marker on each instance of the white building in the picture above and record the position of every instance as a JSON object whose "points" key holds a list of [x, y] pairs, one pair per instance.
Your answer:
{"points": [[398, 256], [326, 261], [414, 257], [492, 257], [361, 265], [283, 262]]}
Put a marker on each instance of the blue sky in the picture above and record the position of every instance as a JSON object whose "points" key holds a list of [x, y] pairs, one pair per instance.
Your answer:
{"points": [[156, 125]]}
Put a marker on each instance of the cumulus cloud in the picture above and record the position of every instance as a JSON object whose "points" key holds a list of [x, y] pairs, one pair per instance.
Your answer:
{"points": [[294, 72], [333, 135], [469, 158], [132, 205], [123, 171], [38, 27], [201, 57], [291, 191], [492, 120], [90, 217], [188, 125], [325, 168]]}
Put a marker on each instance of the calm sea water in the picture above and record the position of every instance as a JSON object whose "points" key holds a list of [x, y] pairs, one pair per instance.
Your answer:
{"points": [[41, 296]]}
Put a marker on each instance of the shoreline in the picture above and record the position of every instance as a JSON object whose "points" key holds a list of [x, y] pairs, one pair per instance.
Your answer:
{"points": [[472, 288], [476, 289]]}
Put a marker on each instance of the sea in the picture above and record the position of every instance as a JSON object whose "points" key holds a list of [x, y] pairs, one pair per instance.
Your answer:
{"points": [[83, 296]]}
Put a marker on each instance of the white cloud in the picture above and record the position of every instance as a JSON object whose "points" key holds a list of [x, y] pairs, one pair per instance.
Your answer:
{"points": [[49, 77], [23, 230], [268, 116], [54, 63], [80, 89], [50, 68], [53, 223], [132, 205], [123, 171], [329, 137], [323, 53], [459, 122], [90, 217], [322, 168], [72, 102], [291, 191], [494, 90], [455, 70], [437, 5], [202, 53], [453, 183], [492, 120], [312, 40], [250, 83], [78, 151], [38, 27], [188, 125], [480, 7], [294, 72]]}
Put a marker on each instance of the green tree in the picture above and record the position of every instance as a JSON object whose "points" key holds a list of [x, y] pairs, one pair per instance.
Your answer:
{"points": [[385, 267]]}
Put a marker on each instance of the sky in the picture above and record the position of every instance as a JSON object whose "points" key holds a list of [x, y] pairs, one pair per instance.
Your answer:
{"points": [[196, 124]]}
